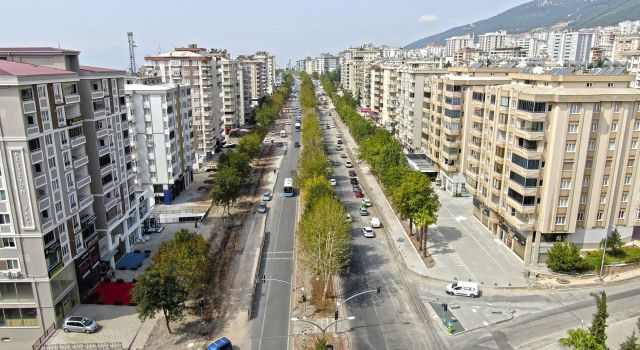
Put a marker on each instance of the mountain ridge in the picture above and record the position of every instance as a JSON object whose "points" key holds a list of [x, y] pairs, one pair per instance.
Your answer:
{"points": [[544, 13]]}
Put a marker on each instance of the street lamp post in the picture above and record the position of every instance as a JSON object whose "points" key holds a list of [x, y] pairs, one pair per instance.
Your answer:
{"points": [[323, 330], [604, 250]]}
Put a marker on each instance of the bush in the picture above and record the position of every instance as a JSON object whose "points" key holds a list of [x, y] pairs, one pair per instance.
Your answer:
{"points": [[565, 257]]}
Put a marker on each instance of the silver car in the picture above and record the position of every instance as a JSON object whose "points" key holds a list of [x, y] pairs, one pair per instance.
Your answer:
{"points": [[79, 324]]}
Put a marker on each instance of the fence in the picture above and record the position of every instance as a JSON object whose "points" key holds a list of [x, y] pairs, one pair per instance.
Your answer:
{"points": [[44, 337], [85, 346]]}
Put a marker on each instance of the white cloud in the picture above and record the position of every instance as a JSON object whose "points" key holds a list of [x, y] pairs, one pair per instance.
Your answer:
{"points": [[428, 19]]}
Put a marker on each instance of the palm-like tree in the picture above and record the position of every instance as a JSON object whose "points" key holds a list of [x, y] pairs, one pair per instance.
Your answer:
{"points": [[423, 219]]}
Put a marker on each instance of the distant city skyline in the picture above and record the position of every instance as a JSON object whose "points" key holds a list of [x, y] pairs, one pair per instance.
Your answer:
{"points": [[286, 28]]}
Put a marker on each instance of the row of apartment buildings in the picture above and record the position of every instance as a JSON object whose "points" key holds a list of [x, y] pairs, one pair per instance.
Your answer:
{"points": [[322, 64], [223, 89], [547, 154], [85, 155]]}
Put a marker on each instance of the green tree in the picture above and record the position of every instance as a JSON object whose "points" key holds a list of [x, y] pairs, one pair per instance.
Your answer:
{"points": [[325, 239], [599, 325], [565, 257], [423, 219], [186, 257], [315, 188], [225, 191], [631, 343], [156, 293], [413, 195], [320, 344], [392, 178], [581, 339], [614, 243], [239, 161], [250, 145]]}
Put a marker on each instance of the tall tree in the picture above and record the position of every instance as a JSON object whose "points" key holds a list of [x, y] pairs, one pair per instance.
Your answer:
{"points": [[239, 161], [225, 191], [599, 325], [315, 188], [614, 243], [186, 257], [423, 219], [581, 339], [156, 293], [250, 145], [413, 195]]}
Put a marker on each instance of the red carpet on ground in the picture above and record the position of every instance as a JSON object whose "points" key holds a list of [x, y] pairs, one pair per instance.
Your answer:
{"points": [[112, 293]]}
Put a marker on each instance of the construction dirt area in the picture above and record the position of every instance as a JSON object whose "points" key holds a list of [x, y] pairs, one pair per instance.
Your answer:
{"points": [[210, 312]]}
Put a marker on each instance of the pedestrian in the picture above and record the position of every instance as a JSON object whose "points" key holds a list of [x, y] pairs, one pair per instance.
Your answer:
{"points": [[274, 171]]}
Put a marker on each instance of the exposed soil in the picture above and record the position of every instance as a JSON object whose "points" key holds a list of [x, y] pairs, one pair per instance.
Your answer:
{"points": [[206, 314], [428, 260]]}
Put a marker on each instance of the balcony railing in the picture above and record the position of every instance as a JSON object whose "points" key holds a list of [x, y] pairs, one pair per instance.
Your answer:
{"points": [[75, 120]]}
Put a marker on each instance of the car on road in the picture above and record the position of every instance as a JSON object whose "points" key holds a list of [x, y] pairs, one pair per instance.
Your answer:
{"points": [[349, 218], [332, 126], [334, 182], [355, 187], [364, 212], [279, 144], [79, 324], [353, 181], [338, 136], [288, 122], [352, 173], [328, 127], [338, 148], [297, 144], [267, 196], [221, 344], [339, 141], [375, 222], [468, 289], [262, 207], [367, 202], [368, 232], [359, 193], [343, 155], [335, 163], [348, 164], [273, 133]]}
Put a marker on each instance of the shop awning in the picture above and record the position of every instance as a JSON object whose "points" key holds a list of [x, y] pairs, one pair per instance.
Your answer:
{"points": [[109, 254]]}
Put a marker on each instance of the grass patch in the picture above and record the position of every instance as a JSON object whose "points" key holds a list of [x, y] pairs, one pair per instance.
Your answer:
{"points": [[627, 255]]}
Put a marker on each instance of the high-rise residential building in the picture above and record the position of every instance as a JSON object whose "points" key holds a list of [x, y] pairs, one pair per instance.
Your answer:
{"points": [[623, 43], [194, 67], [160, 118], [413, 76], [554, 158], [70, 186], [495, 40], [230, 93], [327, 63], [632, 59], [571, 47], [384, 93], [269, 74], [355, 66], [456, 43], [448, 117], [254, 72]]}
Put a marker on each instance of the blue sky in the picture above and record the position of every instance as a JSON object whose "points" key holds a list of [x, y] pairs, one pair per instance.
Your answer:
{"points": [[289, 29]]}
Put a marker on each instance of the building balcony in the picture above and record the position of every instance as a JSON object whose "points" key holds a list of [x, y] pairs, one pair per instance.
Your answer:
{"points": [[83, 181], [85, 201], [524, 209], [71, 98], [99, 113], [104, 150], [97, 94], [521, 222], [78, 141], [33, 130], [75, 120], [530, 116], [529, 133], [110, 202], [529, 153]]}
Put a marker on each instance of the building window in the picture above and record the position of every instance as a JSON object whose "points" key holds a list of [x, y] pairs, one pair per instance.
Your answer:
{"points": [[630, 162], [625, 197], [48, 140], [596, 108], [589, 84], [570, 147], [7, 243], [52, 162], [563, 202], [560, 220], [610, 84], [612, 144], [58, 207], [573, 128], [565, 184], [5, 219], [605, 180], [45, 116], [55, 184], [583, 199], [9, 265], [636, 126], [594, 126], [617, 107], [627, 180], [575, 108], [19, 317], [585, 181], [634, 143], [603, 197], [614, 126], [621, 214], [592, 145], [599, 216], [580, 216]]}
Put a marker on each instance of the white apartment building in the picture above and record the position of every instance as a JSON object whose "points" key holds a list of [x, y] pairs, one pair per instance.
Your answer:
{"points": [[554, 158], [456, 43], [231, 94], [160, 117], [194, 67], [571, 47], [355, 66], [270, 69], [384, 93], [66, 178], [495, 40], [327, 63]]}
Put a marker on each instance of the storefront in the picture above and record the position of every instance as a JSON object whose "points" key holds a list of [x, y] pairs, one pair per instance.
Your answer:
{"points": [[512, 238], [481, 212], [88, 269]]}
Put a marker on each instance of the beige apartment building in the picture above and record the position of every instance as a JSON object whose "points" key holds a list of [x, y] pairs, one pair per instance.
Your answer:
{"points": [[445, 126], [552, 156], [230, 90], [355, 64], [384, 92]]}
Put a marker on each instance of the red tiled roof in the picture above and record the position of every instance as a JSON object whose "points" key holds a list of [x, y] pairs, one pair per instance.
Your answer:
{"points": [[24, 69], [33, 49], [98, 69]]}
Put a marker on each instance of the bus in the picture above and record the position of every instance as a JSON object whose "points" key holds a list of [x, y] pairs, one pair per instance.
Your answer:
{"points": [[288, 187], [297, 126]]}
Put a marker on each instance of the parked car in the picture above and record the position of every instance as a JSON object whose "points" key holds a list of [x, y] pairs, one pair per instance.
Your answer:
{"points": [[220, 344], [468, 289], [296, 144], [328, 127], [79, 324], [355, 187], [343, 155], [335, 162], [280, 144], [338, 136], [348, 164], [375, 222], [266, 196], [364, 212], [359, 193], [262, 207], [354, 181], [339, 141], [368, 232], [352, 173], [288, 122], [349, 218], [367, 202], [338, 148], [334, 182]]}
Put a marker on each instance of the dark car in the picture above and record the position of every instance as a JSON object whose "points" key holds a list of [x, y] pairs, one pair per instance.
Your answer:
{"points": [[354, 181], [297, 144], [328, 127], [335, 162], [352, 173], [279, 144], [355, 187], [339, 141]]}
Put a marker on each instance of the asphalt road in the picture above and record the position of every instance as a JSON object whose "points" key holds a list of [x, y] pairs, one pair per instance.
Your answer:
{"points": [[269, 329], [395, 319]]}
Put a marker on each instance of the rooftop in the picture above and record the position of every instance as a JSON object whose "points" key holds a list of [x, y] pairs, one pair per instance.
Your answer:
{"points": [[98, 69], [35, 50], [9, 68]]}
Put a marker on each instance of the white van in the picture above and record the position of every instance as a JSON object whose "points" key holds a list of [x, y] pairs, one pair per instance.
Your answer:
{"points": [[467, 289]]}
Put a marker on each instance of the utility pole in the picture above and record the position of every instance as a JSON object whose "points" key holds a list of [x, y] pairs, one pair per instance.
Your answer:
{"points": [[132, 55]]}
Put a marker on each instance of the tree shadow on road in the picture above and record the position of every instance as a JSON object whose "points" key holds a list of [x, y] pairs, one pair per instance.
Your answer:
{"points": [[439, 238]]}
